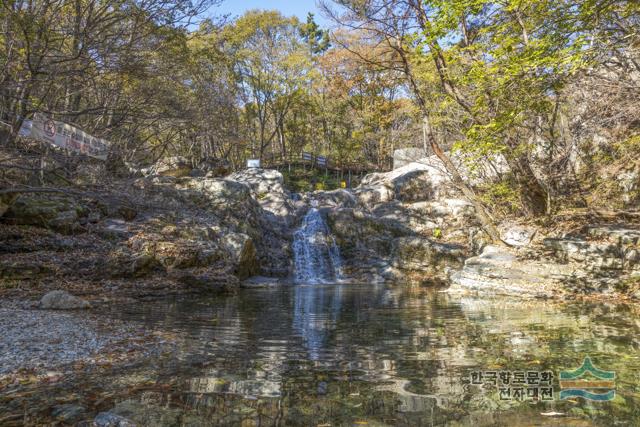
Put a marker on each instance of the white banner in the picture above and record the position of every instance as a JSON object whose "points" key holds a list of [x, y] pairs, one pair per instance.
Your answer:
{"points": [[66, 136]]}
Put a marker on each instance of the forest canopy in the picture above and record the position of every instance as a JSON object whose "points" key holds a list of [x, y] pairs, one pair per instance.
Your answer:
{"points": [[522, 86]]}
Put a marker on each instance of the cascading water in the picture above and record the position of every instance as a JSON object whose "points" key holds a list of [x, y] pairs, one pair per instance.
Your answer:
{"points": [[316, 255]]}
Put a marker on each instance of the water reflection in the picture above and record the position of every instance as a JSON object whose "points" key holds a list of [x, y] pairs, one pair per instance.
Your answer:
{"points": [[380, 353], [344, 354]]}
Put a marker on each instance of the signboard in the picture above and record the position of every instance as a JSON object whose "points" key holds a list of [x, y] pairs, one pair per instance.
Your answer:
{"points": [[253, 163], [69, 137], [307, 156], [322, 161]]}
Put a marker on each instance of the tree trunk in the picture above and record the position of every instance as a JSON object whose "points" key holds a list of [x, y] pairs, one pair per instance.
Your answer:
{"points": [[458, 181]]}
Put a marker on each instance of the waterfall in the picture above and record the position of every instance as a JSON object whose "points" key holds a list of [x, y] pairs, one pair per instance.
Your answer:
{"points": [[316, 255]]}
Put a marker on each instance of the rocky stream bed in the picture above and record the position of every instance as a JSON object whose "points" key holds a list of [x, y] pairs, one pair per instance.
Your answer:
{"points": [[183, 234]]}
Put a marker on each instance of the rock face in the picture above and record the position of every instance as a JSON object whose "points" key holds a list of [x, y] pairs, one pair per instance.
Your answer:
{"points": [[61, 300], [500, 271], [404, 226], [242, 254], [268, 189], [423, 180], [597, 259]]}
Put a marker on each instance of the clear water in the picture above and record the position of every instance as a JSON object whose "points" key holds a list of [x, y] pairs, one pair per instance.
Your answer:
{"points": [[360, 355], [315, 253]]}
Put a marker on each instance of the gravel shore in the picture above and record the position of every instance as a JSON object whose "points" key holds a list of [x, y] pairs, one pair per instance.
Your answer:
{"points": [[45, 339]]}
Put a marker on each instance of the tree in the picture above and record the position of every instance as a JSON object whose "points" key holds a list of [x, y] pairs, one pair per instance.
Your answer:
{"points": [[271, 70]]}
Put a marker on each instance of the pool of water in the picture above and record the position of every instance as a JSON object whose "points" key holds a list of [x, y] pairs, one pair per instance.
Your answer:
{"points": [[368, 355]]}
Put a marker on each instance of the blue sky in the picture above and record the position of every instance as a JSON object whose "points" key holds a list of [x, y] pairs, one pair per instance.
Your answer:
{"points": [[300, 8]]}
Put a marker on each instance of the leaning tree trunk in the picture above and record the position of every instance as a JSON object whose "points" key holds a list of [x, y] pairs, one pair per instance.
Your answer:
{"points": [[459, 183]]}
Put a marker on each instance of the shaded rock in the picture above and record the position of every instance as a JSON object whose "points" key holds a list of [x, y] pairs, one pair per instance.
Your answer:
{"points": [[426, 259], [20, 270], [214, 168], [6, 200], [127, 265], [242, 253], [112, 207], [65, 222], [69, 413], [181, 253], [59, 213], [61, 300]]}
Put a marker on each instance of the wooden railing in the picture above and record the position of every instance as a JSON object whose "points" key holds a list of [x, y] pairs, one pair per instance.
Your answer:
{"points": [[276, 161]]}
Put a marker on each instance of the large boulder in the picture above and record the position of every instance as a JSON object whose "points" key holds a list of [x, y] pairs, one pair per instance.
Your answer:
{"points": [[387, 248], [416, 181], [61, 300]]}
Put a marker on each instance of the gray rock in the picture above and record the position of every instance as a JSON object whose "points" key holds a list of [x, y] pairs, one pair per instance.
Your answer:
{"points": [[416, 181], [499, 271], [61, 300], [173, 166], [404, 156], [517, 235], [66, 221], [57, 212], [69, 413], [422, 259], [109, 419], [267, 187], [6, 200], [242, 253], [262, 282]]}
